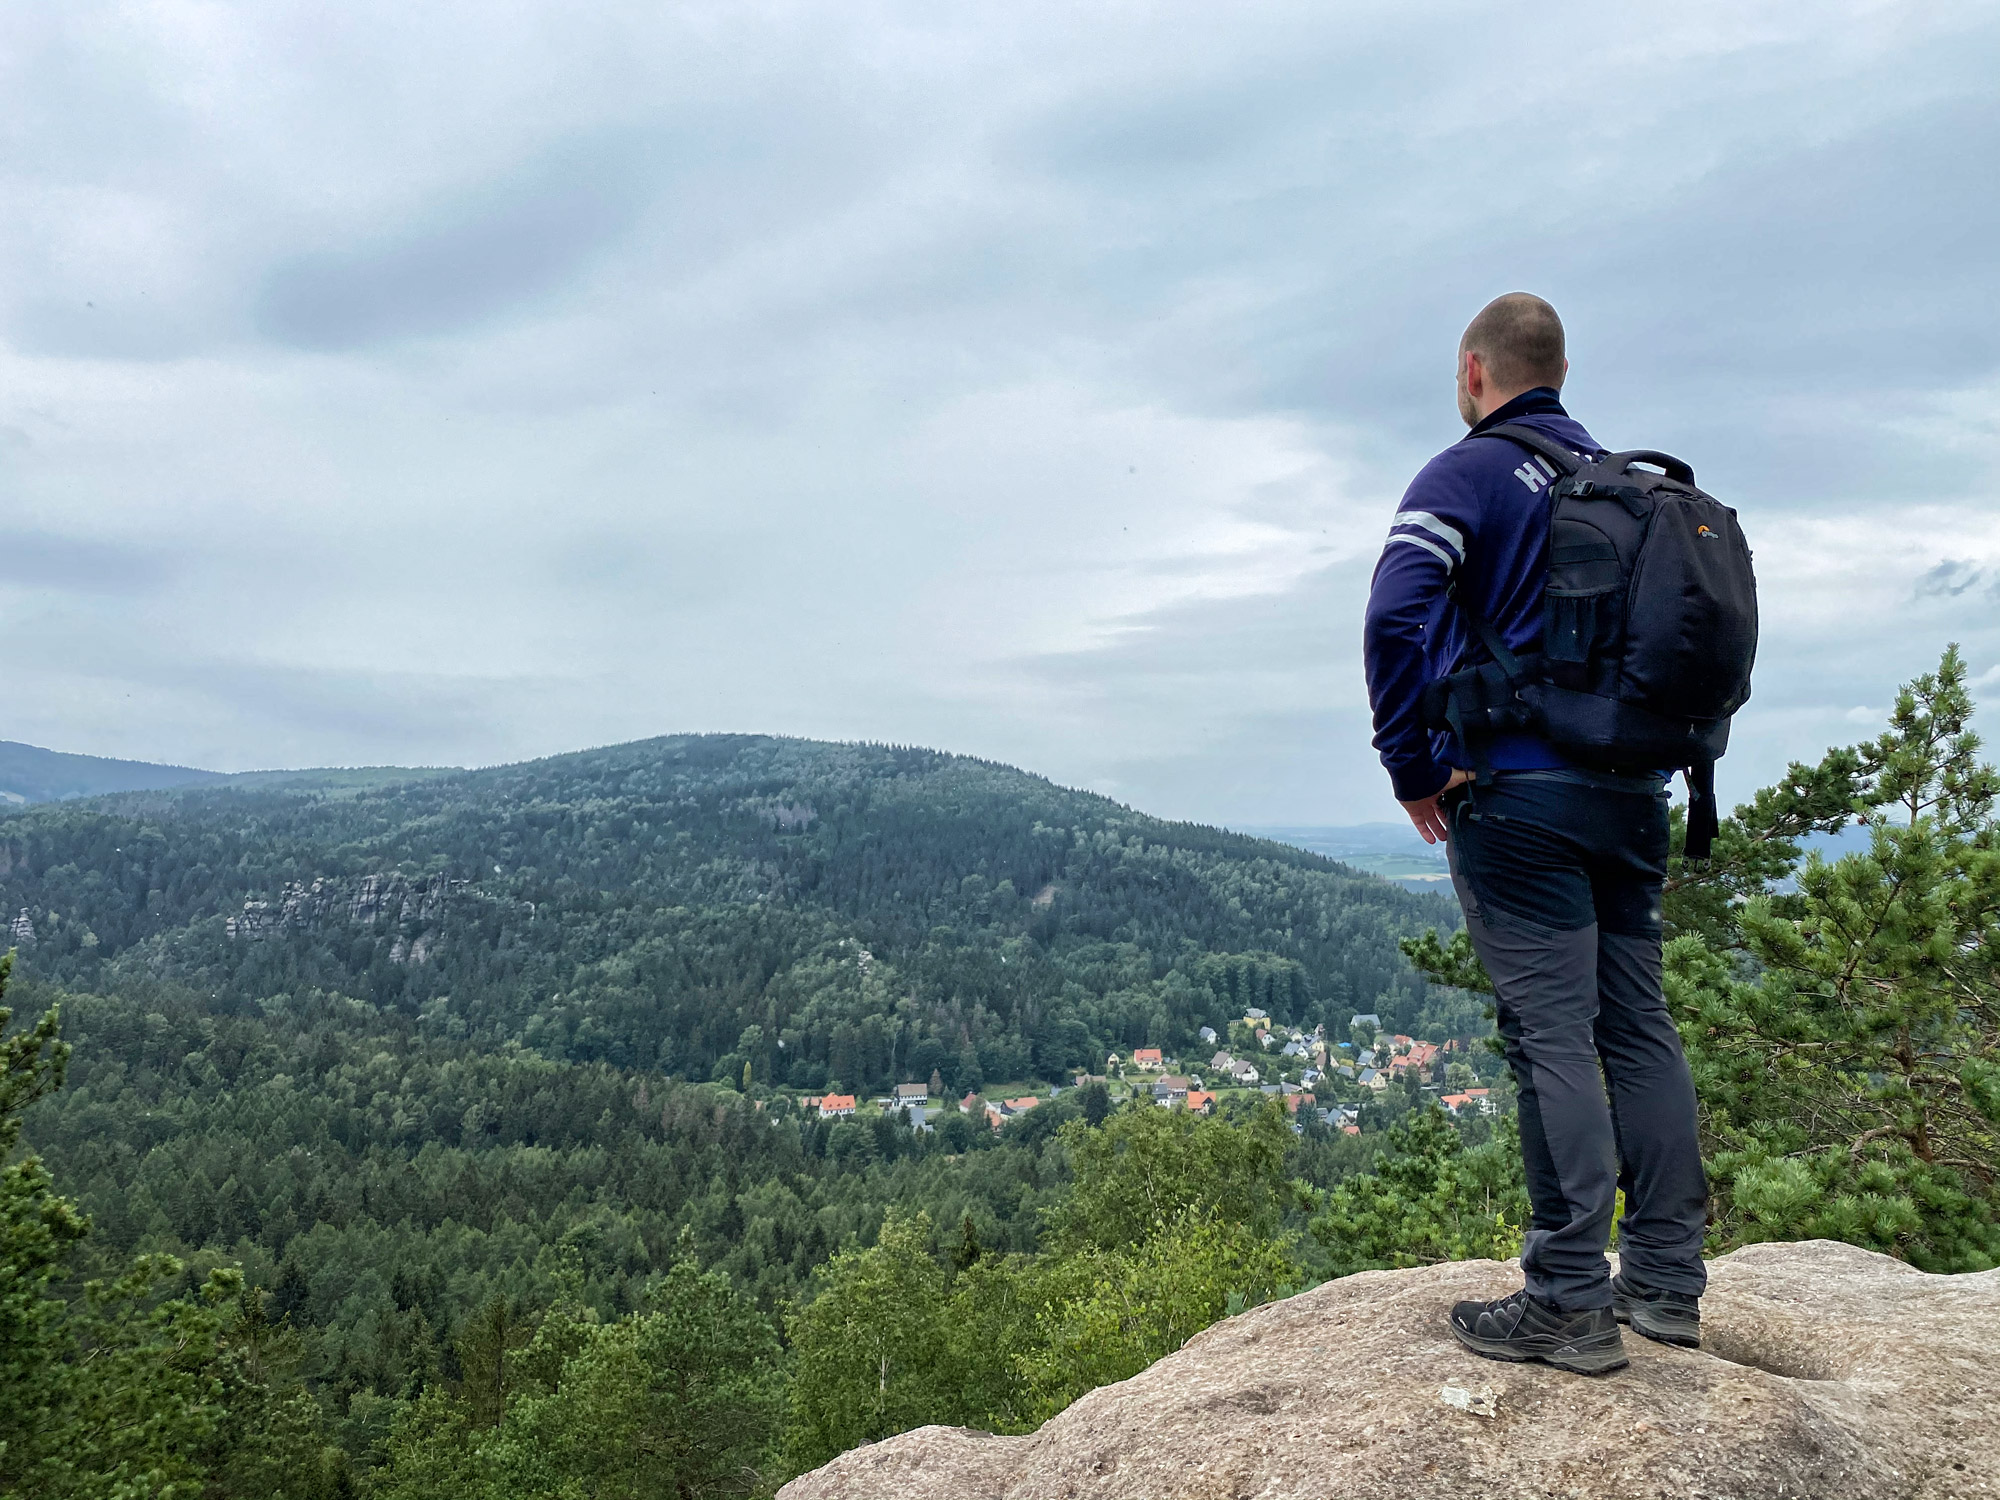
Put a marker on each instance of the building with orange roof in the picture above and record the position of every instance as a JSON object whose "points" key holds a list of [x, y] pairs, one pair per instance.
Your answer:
{"points": [[832, 1106]]}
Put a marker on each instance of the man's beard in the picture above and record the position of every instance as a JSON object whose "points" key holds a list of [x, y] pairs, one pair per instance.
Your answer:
{"points": [[1465, 406]]}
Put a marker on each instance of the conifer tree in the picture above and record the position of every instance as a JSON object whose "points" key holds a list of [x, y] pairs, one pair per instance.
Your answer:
{"points": [[1845, 1035], [124, 1391], [1429, 1199]]}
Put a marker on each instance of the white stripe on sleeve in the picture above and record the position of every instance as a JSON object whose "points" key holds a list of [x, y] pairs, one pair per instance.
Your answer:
{"points": [[1433, 525], [1431, 547]]}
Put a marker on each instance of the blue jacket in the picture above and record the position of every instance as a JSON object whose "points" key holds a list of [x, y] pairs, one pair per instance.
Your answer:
{"points": [[1477, 517]]}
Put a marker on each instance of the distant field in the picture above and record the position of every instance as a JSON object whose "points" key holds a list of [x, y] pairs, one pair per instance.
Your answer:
{"points": [[1390, 850]]}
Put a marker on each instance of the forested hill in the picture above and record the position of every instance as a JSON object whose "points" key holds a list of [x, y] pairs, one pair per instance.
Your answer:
{"points": [[695, 906]]}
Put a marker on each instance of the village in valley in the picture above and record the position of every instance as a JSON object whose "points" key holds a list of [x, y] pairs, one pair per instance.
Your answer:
{"points": [[1319, 1081]]}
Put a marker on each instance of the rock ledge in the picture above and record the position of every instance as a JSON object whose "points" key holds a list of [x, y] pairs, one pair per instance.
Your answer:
{"points": [[1827, 1371]]}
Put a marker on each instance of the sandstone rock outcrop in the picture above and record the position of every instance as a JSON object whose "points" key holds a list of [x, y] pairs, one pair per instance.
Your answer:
{"points": [[409, 904], [1828, 1373]]}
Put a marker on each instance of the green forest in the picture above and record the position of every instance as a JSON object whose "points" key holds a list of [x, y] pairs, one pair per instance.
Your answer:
{"points": [[822, 913], [439, 1134]]}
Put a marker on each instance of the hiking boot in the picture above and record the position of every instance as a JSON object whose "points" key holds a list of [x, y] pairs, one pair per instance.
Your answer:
{"points": [[1664, 1317], [1523, 1327]]}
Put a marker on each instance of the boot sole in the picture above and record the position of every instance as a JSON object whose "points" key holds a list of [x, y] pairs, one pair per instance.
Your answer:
{"points": [[1658, 1333], [1578, 1360]]}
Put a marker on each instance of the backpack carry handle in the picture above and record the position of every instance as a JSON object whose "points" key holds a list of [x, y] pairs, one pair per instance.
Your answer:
{"points": [[1674, 467]]}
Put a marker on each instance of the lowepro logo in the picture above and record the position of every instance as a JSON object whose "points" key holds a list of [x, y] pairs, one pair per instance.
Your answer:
{"points": [[1711, 535]]}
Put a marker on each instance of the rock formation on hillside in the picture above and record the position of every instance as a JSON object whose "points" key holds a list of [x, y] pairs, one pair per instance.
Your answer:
{"points": [[300, 905], [1828, 1372]]}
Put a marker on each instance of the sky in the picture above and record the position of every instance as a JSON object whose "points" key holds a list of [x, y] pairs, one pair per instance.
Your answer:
{"points": [[458, 384]]}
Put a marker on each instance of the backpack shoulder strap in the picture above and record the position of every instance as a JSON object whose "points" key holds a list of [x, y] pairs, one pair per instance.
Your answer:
{"points": [[1565, 461], [1511, 669], [1508, 662], [1704, 818]]}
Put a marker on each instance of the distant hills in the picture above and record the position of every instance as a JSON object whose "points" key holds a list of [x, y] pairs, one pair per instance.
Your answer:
{"points": [[31, 774], [694, 904]]}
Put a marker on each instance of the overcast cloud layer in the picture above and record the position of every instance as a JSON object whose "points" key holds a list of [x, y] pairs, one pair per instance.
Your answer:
{"points": [[460, 383]]}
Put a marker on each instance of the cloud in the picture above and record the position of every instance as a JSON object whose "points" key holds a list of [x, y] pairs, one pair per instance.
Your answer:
{"points": [[464, 262], [453, 384], [39, 561], [1949, 579]]}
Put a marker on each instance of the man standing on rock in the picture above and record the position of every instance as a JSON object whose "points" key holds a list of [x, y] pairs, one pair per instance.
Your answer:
{"points": [[1558, 866]]}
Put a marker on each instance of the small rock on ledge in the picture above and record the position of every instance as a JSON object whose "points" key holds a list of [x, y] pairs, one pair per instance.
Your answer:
{"points": [[1827, 1373]]}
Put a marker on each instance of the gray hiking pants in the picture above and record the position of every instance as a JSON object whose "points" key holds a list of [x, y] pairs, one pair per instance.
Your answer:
{"points": [[1559, 874]]}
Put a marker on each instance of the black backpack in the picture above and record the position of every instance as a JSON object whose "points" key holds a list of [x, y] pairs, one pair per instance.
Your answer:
{"points": [[1649, 627]]}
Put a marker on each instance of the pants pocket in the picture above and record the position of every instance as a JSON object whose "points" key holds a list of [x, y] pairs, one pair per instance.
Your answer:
{"points": [[1471, 898]]}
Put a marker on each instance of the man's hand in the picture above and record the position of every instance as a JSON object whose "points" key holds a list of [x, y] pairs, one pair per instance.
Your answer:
{"points": [[1428, 816]]}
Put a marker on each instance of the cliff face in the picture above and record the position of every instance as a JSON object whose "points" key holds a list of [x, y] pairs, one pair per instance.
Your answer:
{"points": [[1828, 1372]]}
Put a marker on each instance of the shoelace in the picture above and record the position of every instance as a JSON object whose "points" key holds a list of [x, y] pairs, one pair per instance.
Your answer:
{"points": [[1508, 1312]]}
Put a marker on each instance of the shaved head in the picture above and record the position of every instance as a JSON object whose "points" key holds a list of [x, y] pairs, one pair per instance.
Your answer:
{"points": [[1519, 339]]}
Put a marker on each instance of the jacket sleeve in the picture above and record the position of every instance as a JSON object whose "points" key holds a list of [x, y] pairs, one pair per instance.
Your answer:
{"points": [[1428, 539]]}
